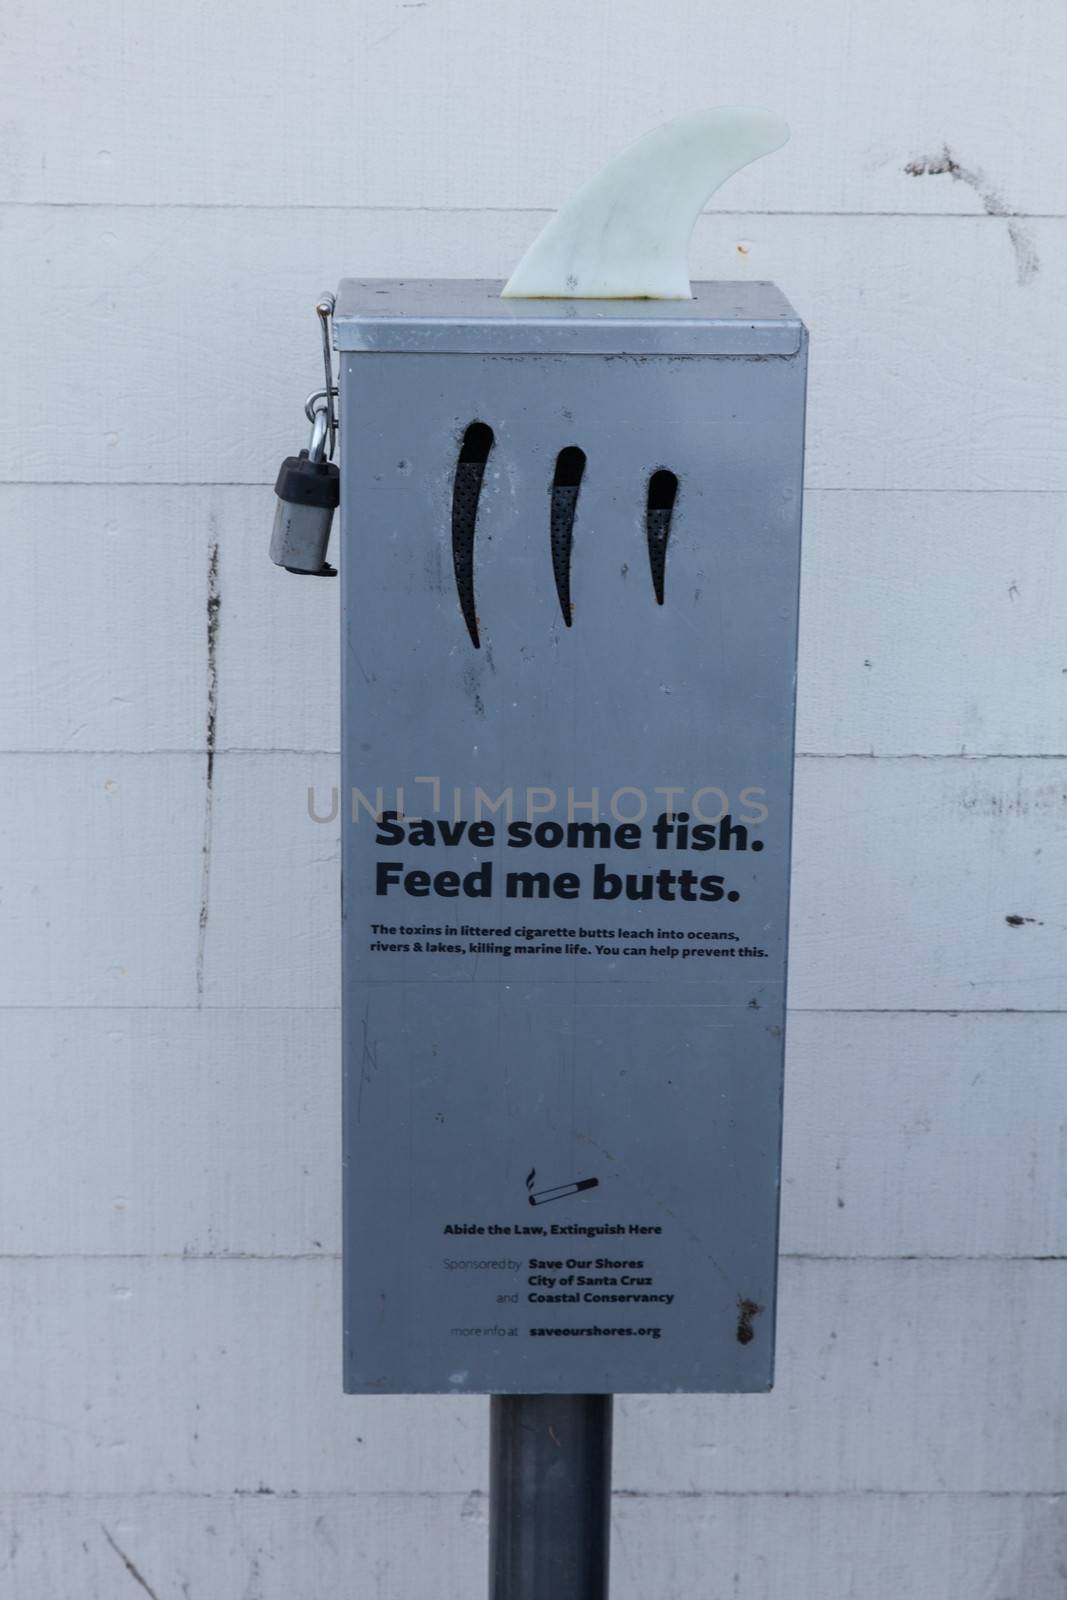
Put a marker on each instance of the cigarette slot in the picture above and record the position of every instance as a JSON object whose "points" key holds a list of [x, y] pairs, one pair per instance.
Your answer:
{"points": [[466, 490], [570, 465], [662, 492]]}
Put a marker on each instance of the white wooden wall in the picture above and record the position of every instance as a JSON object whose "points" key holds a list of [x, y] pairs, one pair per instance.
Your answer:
{"points": [[179, 179]]}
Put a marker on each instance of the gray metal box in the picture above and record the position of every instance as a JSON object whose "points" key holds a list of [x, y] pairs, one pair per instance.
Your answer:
{"points": [[564, 986]]}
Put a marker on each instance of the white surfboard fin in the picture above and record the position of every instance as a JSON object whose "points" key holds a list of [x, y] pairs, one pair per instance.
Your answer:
{"points": [[625, 235]]}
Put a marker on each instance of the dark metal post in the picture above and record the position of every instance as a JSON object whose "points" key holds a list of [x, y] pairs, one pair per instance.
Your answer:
{"points": [[549, 1496]]}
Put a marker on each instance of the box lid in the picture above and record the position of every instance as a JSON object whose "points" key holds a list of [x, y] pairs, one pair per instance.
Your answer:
{"points": [[457, 315]]}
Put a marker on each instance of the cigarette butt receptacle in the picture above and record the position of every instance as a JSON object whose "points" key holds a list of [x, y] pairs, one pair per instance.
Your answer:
{"points": [[569, 568]]}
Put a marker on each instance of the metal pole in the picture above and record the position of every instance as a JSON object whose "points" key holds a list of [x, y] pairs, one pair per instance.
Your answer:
{"points": [[549, 1496]]}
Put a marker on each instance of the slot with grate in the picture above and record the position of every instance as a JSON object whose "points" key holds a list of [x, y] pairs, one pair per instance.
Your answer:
{"points": [[466, 489], [570, 464], [662, 493]]}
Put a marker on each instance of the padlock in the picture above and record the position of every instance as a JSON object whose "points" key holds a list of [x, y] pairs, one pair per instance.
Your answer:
{"points": [[309, 492]]}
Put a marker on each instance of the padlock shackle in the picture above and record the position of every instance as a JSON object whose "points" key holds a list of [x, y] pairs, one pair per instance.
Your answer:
{"points": [[320, 433]]}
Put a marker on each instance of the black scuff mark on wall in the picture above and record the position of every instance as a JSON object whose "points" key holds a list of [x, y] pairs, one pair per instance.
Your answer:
{"points": [[214, 606], [1027, 260], [137, 1577]]}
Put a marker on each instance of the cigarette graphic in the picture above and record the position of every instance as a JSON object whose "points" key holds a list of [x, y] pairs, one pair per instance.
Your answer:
{"points": [[544, 1195]]}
